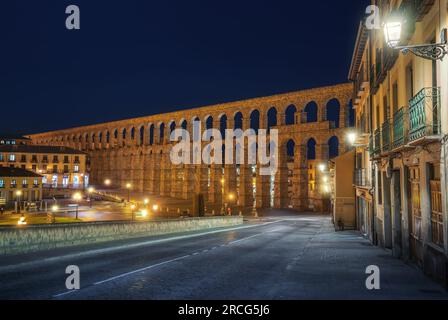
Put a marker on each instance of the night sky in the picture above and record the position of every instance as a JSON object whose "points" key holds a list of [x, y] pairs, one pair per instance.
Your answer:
{"points": [[135, 58]]}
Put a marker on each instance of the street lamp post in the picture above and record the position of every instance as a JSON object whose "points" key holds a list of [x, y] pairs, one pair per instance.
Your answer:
{"points": [[223, 209], [90, 191], [133, 212], [77, 197], [18, 195], [128, 186]]}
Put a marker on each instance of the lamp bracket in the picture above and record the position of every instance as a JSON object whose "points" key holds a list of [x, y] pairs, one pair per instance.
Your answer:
{"points": [[436, 51]]}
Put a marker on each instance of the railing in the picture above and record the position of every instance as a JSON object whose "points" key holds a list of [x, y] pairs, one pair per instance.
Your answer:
{"points": [[361, 178], [401, 128], [377, 144], [385, 136], [424, 114], [371, 149]]}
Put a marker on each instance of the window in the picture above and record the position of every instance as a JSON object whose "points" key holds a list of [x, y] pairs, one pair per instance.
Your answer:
{"points": [[34, 167], [25, 183], [55, 159], [55, 169], [12, 158], [45, 159], [13, 184], [66, 159], [65, 169], [36, 183], [76, 168], [1, 157], [34, 158], [76, 159], [23, 158], [2, 183], [436, 206], [380, 188], [395, 97]]}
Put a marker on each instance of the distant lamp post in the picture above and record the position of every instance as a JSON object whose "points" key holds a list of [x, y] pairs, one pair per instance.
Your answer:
{"points": [[18, 195], [90, 191], [54, 210], [107, 182], [155, 208], [393, 29], [133, 212], [223, 209], [146, 202], [129, 186], [144, 213], [77, 197]]}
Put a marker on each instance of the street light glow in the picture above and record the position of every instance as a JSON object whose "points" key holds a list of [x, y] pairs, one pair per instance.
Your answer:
{"points": [[322, 167], [392, 32], [128, 186], [352, 137], [144, 213], [155, 207], [18, 193], [91, 190], [107, 182], [54, 208], [77, 196], [146, 201]]}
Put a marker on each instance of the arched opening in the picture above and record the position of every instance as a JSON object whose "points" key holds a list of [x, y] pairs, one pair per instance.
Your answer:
{"points": [[132, 133], [311, 112], [238, 121], [255, 120], [223, 126], [350, 115], [209, 126], [290, 146], [100, 137], [161, 133], [184, 126], [151, 134], [172, 127], [123, 134], [142, 135], [333, 112], [333, 147], [311, 149], [290, 115], [272, 118], [107, 136], [116, 134]]}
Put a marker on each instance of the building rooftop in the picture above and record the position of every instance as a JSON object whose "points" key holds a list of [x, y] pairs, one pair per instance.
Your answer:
{"points": [[39, 149], [17, 172], [8, 136]]}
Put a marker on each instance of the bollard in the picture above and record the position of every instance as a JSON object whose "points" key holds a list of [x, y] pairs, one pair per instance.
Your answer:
{"points": [[213, 212]]}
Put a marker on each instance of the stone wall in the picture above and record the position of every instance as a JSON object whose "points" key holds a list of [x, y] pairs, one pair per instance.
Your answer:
{"points": [[15, 240]]}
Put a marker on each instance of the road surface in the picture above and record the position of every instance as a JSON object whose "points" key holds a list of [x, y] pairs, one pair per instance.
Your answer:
{"points": [[293, 257]]}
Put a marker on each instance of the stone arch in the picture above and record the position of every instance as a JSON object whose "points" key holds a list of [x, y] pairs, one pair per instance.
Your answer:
{"points": [[161, 132], [255, 120], [311, 112], [238, 119], [141, 139], [333, 112], [132, 133], [272, 118], [151, 134], [333, 147], [223, 125], [311, 149], [290, 115], [290, 149]]}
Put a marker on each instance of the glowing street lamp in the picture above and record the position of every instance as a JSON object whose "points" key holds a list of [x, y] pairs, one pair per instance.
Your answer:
{"points": [[144, 213], [393, 29], [155, 208], [90, 191], [146, 202], [107, 182], [322, 167], [352, 137], [18, 195], [77, 197]]}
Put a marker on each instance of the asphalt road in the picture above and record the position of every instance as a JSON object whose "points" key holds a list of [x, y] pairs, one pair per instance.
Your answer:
{"points": [[280, 258]]}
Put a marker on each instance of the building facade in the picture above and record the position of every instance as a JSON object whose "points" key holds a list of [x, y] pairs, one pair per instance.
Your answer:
{"points": [[402, 120], [19, 185], [311, 124], [60, 167]]}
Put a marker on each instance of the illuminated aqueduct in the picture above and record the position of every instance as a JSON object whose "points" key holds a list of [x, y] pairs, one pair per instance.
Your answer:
{"points": [[312, 125]]}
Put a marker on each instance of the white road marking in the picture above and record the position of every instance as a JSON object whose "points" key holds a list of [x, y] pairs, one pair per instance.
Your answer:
{"points": [[140, 270], [159, 264]]}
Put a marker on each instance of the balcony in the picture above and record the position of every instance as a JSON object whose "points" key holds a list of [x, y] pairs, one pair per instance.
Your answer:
{"points": [[385, 136], [361, 178], [400, 128], [424, 115]]}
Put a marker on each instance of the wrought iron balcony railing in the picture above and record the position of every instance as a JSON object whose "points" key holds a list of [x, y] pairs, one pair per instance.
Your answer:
{"points": [[377, 142], [361, 178], [424, 114], [385, 136], [401, 128]]}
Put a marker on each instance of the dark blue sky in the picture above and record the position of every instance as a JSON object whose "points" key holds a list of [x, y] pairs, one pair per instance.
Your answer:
{"points": [[134, 58]]}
